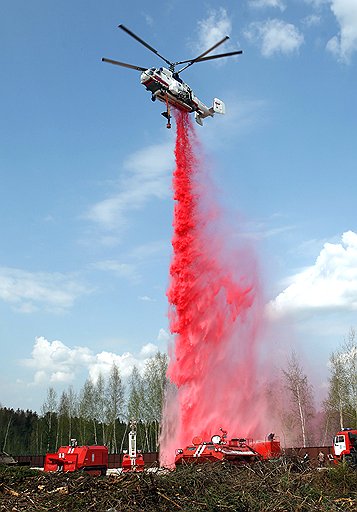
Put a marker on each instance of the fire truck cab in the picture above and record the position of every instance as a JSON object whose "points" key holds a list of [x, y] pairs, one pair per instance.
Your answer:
{"points": [[345, 446]]}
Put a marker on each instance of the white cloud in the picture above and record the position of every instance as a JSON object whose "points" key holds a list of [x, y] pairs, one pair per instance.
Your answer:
{"points": [[343, 45], [212, 29], [122, 270], [149, 20], [317, 3], [147, 173], [260, 230], [275, 36], [149, 350], [150, 250], [329, 284], [30, 291], [54, 362], [146, 298], [103, 362], [267, 3], [164, 336], [312, 20]]}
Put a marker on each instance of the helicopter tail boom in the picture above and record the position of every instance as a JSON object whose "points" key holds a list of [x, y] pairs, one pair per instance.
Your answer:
{"points": [[218, 107]]}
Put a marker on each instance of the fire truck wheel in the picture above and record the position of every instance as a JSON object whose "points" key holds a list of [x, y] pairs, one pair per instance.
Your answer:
{"points": [[347, 459]]}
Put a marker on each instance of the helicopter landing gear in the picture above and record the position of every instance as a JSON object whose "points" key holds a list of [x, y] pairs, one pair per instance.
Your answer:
{"points": [[153, 98], [167, 114]]}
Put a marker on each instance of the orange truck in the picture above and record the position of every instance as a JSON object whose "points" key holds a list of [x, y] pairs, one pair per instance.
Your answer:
{"points": [[92, 459]]}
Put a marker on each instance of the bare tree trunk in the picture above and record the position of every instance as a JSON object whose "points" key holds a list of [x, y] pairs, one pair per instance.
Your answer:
{"points": [[57, 433], [341, 413], [95, 432], [147, 437], [302, 417], [69, 429], [122, 439], [301, 393], [327, 424], [37, 439], [114, 437], [7, 433], [103, 432]]}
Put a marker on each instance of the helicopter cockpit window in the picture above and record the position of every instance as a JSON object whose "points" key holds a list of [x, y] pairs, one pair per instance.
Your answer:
{"points": [[177, 77]]}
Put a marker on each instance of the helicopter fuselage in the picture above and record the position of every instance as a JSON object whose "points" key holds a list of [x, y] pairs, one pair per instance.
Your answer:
{"points": [[170, 89]]}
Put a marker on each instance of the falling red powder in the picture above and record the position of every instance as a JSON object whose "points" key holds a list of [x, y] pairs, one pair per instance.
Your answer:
{"points": [[215, 315]]}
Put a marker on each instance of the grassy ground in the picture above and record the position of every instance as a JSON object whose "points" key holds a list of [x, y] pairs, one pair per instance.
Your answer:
{"points": [[274, 486]]}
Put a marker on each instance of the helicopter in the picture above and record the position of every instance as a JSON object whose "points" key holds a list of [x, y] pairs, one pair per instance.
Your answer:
{"points": [[166, 85]]}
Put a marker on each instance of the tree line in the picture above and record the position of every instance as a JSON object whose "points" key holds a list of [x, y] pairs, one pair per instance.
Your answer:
{"points": [[98, 414], [101, 411], [291, 396]]}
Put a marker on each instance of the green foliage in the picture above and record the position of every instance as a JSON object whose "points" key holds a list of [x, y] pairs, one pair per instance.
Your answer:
{"points": [[341, 403], [18, 431], [98, 414]]}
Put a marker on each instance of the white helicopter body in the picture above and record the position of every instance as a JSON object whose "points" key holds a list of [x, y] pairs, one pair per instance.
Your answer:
{"points": [[164, 86], [167, 86]]}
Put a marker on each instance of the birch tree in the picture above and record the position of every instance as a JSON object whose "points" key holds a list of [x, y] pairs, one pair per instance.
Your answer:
{"points": [[155, 382], [66, 411], [87, 409], [72, 409], [350, 362], [136, 406], [100, 404], [115, 402], [49, 409], [62, 417], [337, 401], [342, 396], [296, 382], [136, 396]]}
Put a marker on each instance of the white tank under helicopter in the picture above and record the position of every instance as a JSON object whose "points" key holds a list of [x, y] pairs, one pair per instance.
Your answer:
{"points": [[166, 85]]}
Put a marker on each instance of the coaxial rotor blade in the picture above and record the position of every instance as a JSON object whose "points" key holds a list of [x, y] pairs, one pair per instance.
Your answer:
{"points": [[202, 59], [123, 64], [123, 27], [221, 55], [192, 61]]}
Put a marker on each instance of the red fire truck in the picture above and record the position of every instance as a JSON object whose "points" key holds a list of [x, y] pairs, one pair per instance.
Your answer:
{"points": [[345, 446], [235, 450], [92, 459]]}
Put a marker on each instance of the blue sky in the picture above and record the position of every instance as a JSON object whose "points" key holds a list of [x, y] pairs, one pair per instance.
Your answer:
{"points": [[86, 163]]}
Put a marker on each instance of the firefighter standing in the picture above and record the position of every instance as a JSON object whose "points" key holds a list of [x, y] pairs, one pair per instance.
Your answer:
{"points": [[321, 459]]}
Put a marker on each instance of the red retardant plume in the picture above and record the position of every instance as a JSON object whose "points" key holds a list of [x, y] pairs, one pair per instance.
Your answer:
{"points": [[215, 315]]}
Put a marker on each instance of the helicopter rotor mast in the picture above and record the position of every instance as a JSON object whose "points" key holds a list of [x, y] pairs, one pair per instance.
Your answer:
{"points": [[192, 61]]}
